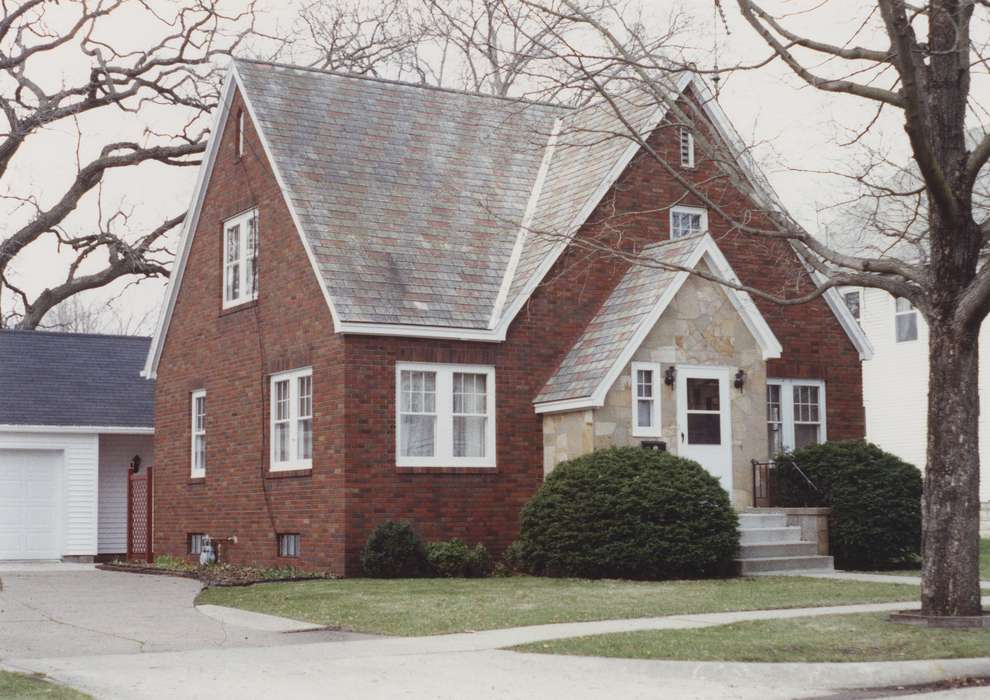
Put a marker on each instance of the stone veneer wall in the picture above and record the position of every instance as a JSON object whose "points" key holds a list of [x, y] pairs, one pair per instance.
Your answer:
{"points": [[700, 327]]}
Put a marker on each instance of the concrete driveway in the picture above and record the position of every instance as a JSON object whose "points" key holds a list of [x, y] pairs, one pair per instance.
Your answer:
{"points": [[59, 610]]}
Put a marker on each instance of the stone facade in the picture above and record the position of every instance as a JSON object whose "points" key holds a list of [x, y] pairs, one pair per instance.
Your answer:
{"points": [[699, 327]]}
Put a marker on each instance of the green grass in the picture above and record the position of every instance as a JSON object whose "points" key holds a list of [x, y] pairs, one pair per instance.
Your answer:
{"points": [[861, 637], [411, 607], [20, 685]]}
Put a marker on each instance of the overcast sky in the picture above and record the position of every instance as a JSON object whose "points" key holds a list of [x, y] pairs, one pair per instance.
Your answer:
{"points": [[795, 129]]}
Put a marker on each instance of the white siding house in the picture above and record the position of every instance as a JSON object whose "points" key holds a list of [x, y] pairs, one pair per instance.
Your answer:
{"points": [[895, 382], [73, 413]]}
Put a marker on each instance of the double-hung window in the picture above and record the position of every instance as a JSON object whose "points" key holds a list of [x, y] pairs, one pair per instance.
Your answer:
{"points": [[646, 399], [240, 259], [687, 221], [687, 147], [795, 414], [292, 420], [905, 320], [445, 415], [198, 454], [854, 302]]}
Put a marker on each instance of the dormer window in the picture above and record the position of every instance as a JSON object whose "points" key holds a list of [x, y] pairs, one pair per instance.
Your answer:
{"points": [[240, 259], [687, 148]]}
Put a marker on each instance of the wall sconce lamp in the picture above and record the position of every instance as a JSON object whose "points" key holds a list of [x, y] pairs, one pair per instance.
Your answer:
{"points": [[740, 380], [669, 376], [135, 464]]}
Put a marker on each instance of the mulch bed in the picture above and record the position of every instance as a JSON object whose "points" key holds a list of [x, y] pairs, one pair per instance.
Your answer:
{"points": [[222, 575]]}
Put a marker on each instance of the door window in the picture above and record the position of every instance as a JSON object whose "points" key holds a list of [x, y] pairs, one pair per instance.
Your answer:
{"points": [[703, 412]]}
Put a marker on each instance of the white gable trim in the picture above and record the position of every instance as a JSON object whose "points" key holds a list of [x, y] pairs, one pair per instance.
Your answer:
{"points": [[707, 250], [104, 429], [232, 80]]}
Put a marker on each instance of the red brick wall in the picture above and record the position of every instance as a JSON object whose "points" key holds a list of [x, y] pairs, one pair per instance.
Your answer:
{"points": [[354, 377], [230, 353]]}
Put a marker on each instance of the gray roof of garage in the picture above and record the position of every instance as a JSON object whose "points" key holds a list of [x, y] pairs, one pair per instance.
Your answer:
{"points": [[74, 379]]}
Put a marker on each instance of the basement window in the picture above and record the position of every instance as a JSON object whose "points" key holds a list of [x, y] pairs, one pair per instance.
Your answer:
{"points": [[196, 542], [288, 544]]}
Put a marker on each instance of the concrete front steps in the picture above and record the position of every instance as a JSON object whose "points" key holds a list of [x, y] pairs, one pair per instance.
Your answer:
{"points": [[767, 544]]}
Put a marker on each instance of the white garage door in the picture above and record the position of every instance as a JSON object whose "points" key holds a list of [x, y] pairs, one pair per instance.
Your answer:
{"points": [[29, 504]]}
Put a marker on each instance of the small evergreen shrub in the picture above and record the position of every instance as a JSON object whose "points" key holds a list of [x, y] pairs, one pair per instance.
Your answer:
{"points": [[455, 559], [875, 499], [628, 513], [394, 550]]}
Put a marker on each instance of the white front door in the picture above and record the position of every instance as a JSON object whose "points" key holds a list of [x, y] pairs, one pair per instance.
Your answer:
{"points": [[704, 419], [29, 504]]}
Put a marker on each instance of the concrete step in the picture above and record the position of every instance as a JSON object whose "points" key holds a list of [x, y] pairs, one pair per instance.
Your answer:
{"points": [[787, 549], [760, 520], [775, 564], [769, 535]]}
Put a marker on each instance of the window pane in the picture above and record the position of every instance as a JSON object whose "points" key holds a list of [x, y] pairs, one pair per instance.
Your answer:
{"points": [[418, 392], [901, 304], [233, 243], [702, 394], [305, 438], [644, 383], [806, 403], [252, 256], [199, 452], [907, 326], [305, 396], [852, 300], [805, 435], [644, 413], [704, 429], [281, 439], [418, 436], [469, 436], [282, 400], [773, 402], [470, 393]]}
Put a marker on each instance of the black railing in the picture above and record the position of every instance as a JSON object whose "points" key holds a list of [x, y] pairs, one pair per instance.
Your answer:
{"points": [[766, 483]]}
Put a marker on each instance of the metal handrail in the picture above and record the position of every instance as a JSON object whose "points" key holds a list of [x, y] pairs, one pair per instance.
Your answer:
{"points": [[767, 482]]}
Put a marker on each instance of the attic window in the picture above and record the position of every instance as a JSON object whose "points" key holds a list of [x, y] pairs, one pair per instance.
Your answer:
{"points": [[687, 221], [240, 259], [687, 148], [239, 140]]}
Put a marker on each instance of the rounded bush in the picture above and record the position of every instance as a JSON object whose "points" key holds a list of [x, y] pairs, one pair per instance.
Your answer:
{"points": [[875, 499], [394, 550], [628, 513], [455, 559]]}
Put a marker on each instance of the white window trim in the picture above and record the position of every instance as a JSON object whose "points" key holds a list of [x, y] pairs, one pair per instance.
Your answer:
{"points": [[292, 376], [898, 314], [195, 473], [787, 408], [689, 161], [444, 443], [681, 209], [653, 430], [859, 296], [240, 133], [244, 258]]}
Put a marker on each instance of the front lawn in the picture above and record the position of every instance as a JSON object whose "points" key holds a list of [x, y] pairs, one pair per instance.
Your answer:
{"points": [[20, 685], [412, 607], [861, 637]]}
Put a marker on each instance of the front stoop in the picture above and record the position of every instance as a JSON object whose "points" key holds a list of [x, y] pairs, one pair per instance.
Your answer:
{"points": [[768, 544]]}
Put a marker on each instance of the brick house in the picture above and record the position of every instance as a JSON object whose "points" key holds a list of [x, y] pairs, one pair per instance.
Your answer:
{"points": [[384, 307]]}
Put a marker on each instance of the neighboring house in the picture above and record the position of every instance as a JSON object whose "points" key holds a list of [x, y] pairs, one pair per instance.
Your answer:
{"points": [[369, 318], [74, 411], [895, 382]]}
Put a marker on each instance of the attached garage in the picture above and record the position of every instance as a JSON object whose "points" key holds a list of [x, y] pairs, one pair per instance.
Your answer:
{"points": [[74, 412]]}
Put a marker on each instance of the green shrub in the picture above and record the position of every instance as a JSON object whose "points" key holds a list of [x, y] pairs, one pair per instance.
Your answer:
{"points": [[628, 513], [455, 559], [394, 550], [875, 499]]}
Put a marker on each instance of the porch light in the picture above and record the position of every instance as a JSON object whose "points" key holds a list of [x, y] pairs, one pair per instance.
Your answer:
{"points": [[740, 380], [669, 376]]}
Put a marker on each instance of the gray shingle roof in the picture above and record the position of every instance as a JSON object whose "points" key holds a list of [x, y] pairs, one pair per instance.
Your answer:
{"points": [[627, 308], [411, 198], [74, 379]]}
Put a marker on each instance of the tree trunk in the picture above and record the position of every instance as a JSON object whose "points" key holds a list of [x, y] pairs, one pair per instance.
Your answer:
{"points": [[950, 584]]}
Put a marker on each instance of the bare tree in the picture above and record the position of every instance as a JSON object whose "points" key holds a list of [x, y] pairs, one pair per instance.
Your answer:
{"points": [[173, 76], [74, 315]]}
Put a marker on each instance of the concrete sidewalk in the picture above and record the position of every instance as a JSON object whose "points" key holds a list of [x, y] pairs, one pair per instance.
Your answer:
{"points": [[858, 576], [472, 664]]}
